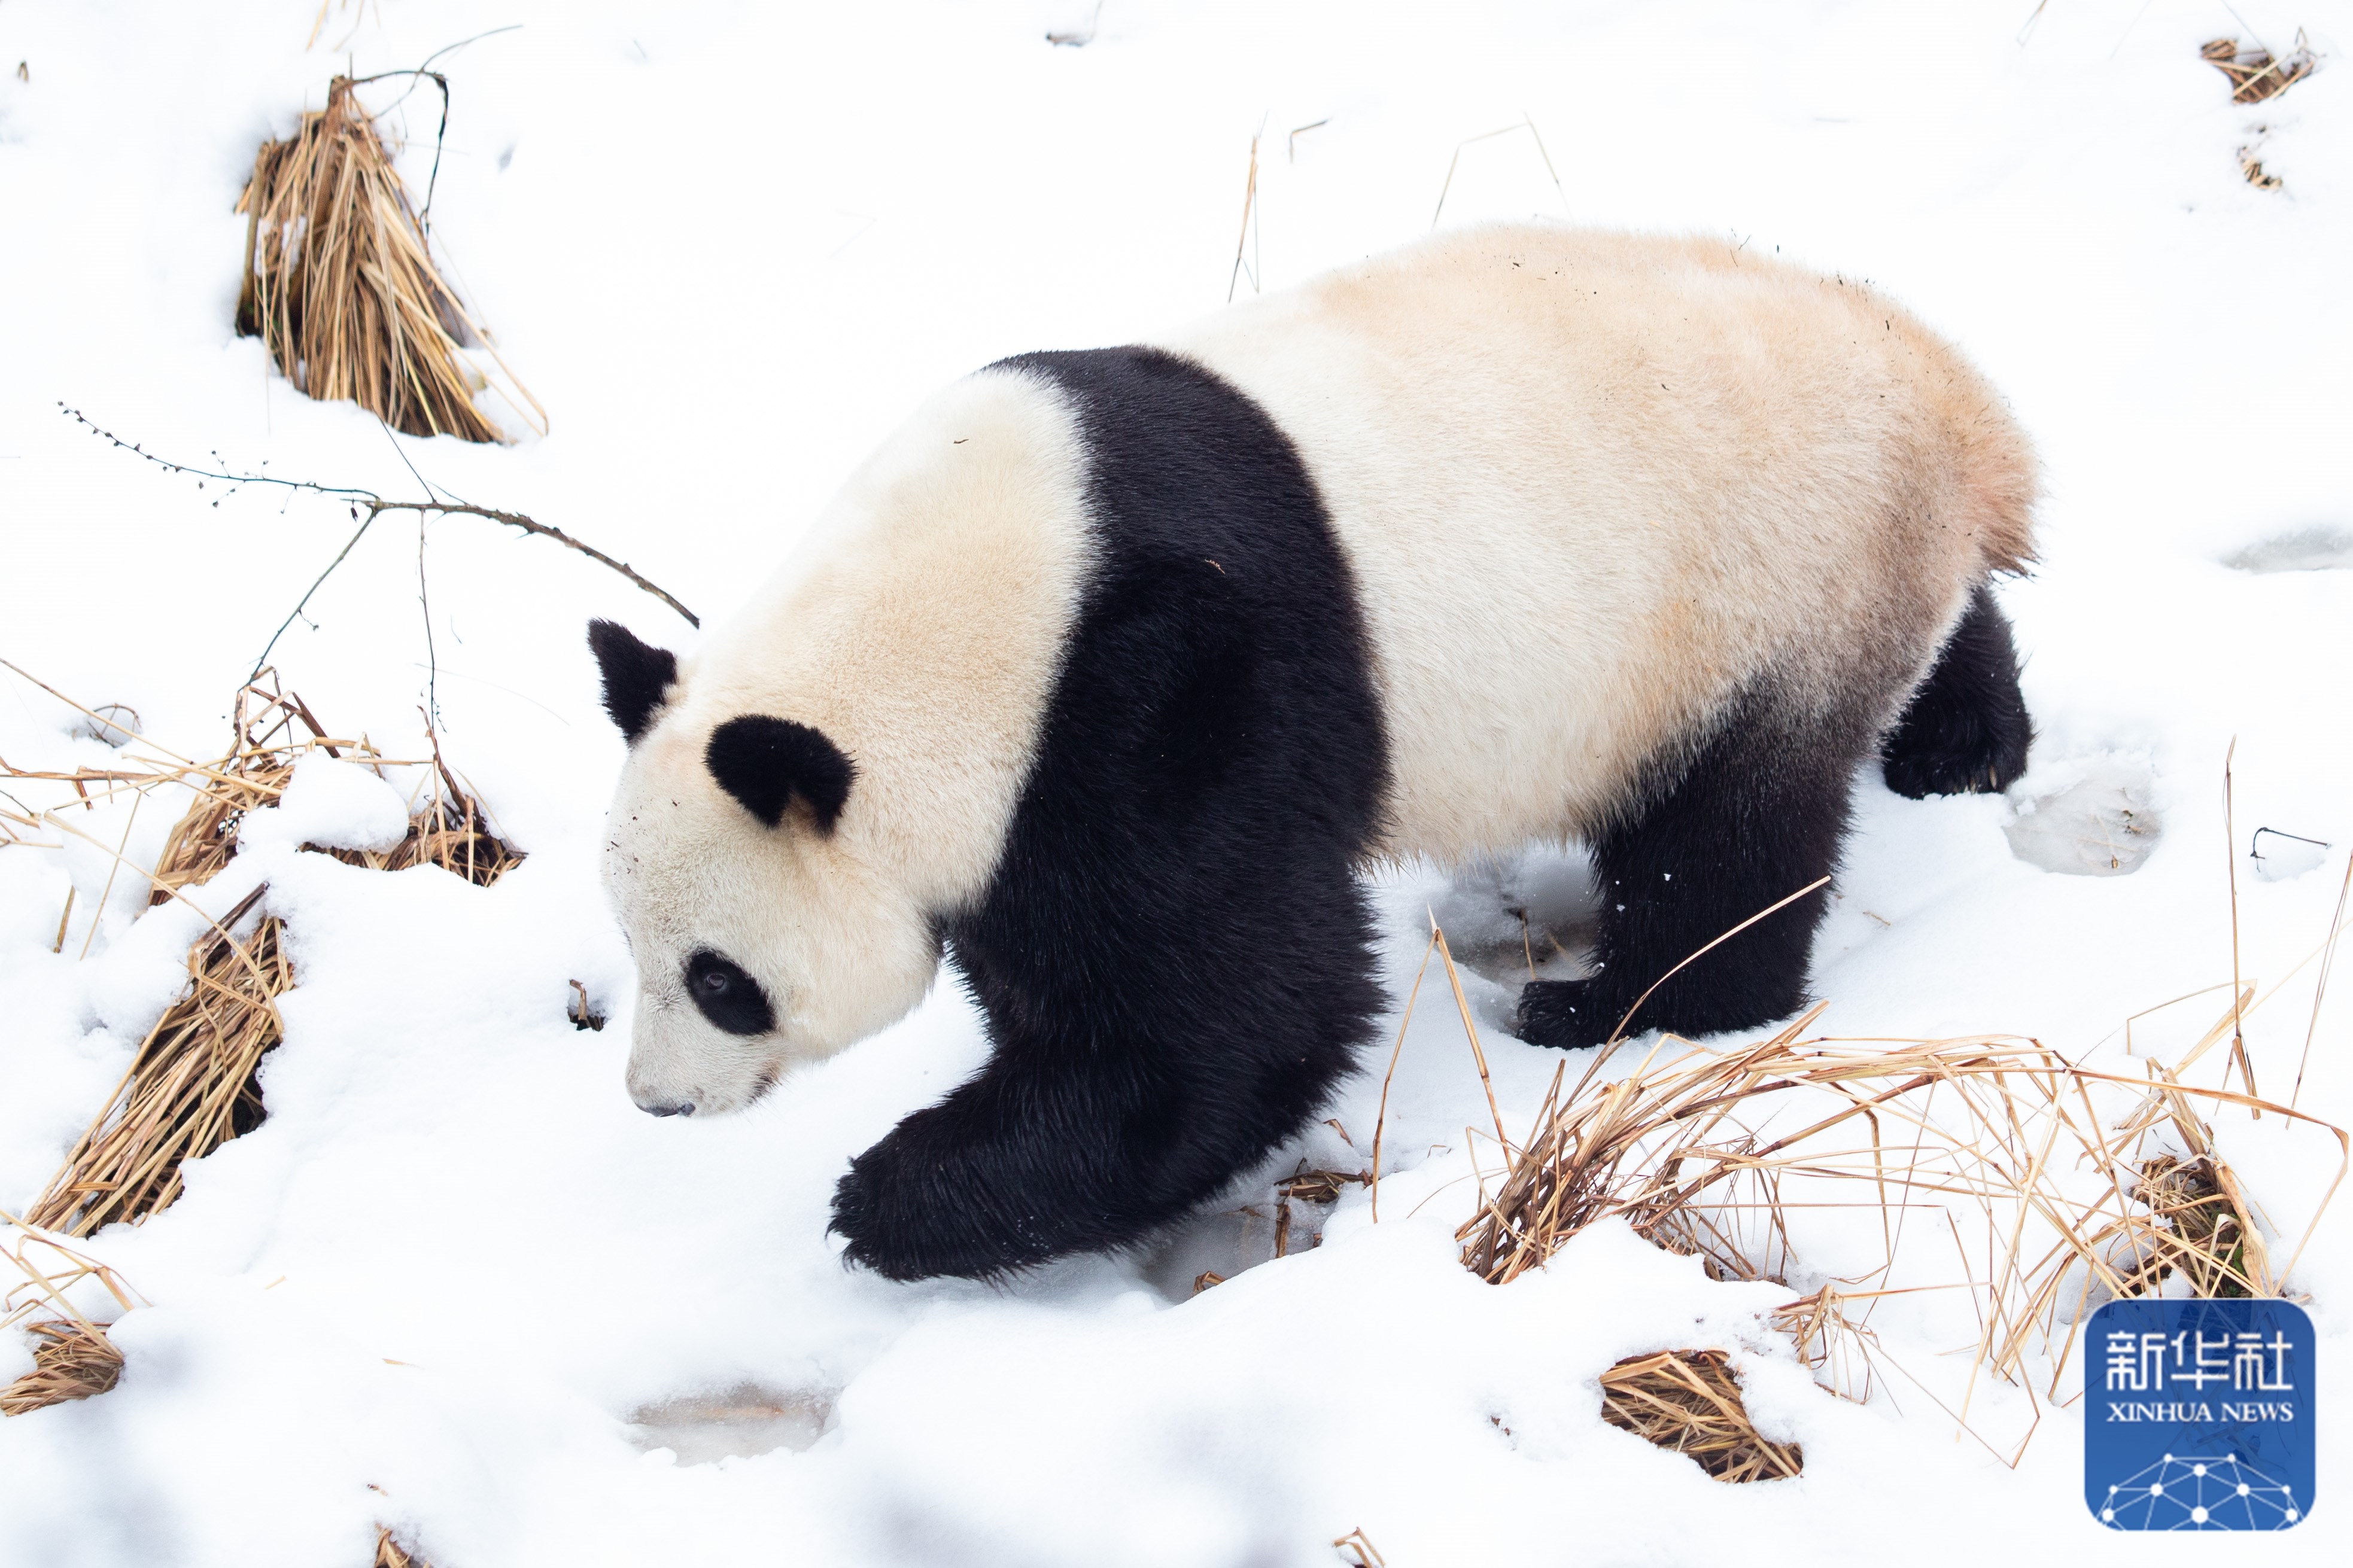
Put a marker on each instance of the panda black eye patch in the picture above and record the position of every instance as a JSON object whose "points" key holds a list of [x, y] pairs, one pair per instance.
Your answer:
{"points": [[730, 999]]}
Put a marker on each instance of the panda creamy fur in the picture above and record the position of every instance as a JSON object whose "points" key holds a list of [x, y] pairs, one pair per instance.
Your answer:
{"points": [[919, 632], [1129, 657], [1591, 483]]}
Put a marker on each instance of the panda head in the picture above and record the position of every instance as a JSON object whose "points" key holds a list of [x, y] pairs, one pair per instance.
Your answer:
{"points": [[764, 938]]}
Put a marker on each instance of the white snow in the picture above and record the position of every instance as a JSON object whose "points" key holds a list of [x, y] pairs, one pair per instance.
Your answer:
{"points": [[728, 246], [334, 804]]}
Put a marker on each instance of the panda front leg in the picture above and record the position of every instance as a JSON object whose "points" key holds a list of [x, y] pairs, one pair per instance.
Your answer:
{"points": [[1010, 1170], [1758, 814], [1145, 1055]]}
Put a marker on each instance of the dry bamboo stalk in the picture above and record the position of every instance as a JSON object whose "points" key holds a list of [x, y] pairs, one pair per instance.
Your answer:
{"points": [[70, 1361], [1688, 1401], [339, 285], [191, 1087], [193, 1083], [2076, 1205], [274, 730], [72, 1357], [2254, 74]]}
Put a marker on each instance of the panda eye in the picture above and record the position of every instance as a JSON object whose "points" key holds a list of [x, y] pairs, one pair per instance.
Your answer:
{"points": [[730, 999]]}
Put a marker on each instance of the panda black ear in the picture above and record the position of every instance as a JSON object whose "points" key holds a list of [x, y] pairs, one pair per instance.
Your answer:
{"points": [[637, 676], [764, 762]]}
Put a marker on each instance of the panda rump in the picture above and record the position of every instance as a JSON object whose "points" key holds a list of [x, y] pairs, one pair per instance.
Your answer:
{"points": [[1111, 670]]}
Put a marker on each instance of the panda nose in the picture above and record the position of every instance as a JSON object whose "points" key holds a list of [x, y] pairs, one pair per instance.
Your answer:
{"points": [[684, 1107]]}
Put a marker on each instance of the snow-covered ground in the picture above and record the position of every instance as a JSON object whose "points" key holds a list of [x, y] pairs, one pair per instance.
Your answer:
{"points": [[728, 246]]}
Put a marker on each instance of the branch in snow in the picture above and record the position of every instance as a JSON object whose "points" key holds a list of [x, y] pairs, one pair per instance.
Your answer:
{"points": [[367, 506]]}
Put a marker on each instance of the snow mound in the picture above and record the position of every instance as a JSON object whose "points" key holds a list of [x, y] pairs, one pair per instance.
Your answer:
{"points": [[333, 805]]}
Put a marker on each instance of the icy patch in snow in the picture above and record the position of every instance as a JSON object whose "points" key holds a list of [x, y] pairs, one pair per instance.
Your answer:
{"points": [[2283, 857], [2101, 824], [1209, 1250], [2323, 547], [742, 1422], [1523, 916], [1265, 1220], [113, 722], [334, 804]]}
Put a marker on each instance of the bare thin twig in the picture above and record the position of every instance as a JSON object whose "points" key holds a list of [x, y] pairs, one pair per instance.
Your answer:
{"points": [[1526, 123], [1380, 1120], [367, 506], [425, 72], [1250, 220], [2238, 1016], [1071, 38], [1471, 1029], [432, 659], [1619, 1032], [2320, 986]]}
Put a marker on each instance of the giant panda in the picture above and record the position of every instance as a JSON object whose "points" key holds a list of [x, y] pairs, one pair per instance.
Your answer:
{"points": [[1113, 670]]}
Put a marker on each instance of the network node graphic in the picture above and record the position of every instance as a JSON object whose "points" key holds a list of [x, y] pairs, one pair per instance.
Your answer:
{"points": [[2200, 1492]]}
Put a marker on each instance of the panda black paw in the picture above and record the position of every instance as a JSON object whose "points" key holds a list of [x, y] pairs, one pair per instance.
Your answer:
{"points": [[1966, 731], [1944, 746], [1563, 1013], [912, 1208], [886, 1224], [857, 1221], [1986, 768]]}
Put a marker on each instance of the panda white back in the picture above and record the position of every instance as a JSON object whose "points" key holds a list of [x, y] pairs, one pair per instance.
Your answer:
{"points": [[1591, 484]]}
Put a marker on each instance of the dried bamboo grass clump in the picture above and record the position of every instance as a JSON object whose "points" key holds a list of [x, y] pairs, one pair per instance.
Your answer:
{"points": [[1836, 1347], [72, 1357], [71, 1360], [2002, 1127], [193, 1086], [2197, 1229], [391, 1553], [1689, 1402], [446, 828], [252, 777], [274, 731], [2254, 74], [339, 283], [194, 1083], [2083, 1187]]}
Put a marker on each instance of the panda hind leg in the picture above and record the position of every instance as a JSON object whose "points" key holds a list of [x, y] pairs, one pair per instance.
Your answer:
{"points": [[1966, 730], [1758, 814]]}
